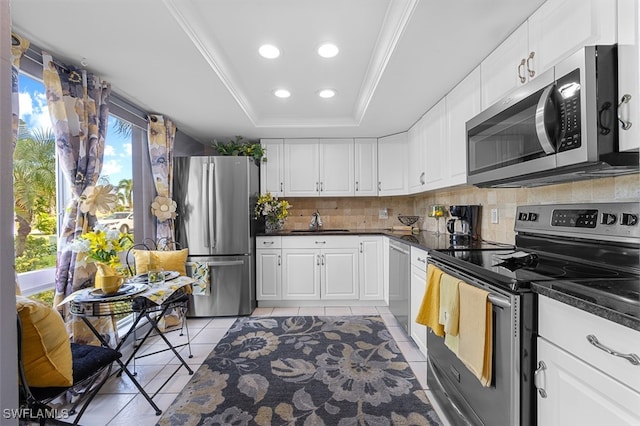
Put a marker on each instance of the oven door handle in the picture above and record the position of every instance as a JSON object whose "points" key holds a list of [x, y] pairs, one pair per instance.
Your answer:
{"points": [[494, 298]]}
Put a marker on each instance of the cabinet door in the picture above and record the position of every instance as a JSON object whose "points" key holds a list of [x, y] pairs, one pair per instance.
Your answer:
{"points": [[578, 394], [417, 331], [366, 167], [501, 70], [436, 145], [371, 268], [268, 275], [392, 169], [336, 167], [272, 170], [559, 28], [300, 274], [629, 73], [463, 103], [416, 142], [339, 274], [301, 165]]}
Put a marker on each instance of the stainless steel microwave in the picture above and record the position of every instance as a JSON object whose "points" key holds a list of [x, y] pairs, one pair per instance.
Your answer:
{"points": [[561, 126]]}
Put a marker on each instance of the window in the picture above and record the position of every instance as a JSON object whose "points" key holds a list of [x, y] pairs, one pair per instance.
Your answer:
{"points": [[41, 192]]}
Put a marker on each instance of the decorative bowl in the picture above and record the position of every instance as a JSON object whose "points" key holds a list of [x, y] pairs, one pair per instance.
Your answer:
{"points": [[408, 220]]}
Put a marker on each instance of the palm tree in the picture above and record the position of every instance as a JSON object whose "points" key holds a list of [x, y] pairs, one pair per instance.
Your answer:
{"points": [[34, 180], [125, 193]]}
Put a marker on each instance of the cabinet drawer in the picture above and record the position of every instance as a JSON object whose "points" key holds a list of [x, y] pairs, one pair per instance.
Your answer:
{"points": [[320, 242], [419, 258], [268, 242], [568, 328]]}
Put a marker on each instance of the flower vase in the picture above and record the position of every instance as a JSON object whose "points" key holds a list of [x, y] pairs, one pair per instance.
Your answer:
{"points": [[107, 279], [271, 227]]}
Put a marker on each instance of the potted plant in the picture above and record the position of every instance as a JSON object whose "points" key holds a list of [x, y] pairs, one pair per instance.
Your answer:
{"points": [[241, 147]]}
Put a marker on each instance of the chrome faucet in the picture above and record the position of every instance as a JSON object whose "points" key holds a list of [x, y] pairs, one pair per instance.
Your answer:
{"points": [[316, 221]]}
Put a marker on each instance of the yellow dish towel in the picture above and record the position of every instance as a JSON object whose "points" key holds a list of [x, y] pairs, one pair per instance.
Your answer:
{"points": [[449, 304], [476, 332], [429, 312]]}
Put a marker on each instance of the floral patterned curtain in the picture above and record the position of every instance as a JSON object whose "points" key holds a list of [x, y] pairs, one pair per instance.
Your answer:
{"points": [[161, 135], [78, 105], [18, 47]]}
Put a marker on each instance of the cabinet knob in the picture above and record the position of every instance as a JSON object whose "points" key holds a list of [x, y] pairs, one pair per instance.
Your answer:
{"points": [[529, 67], [520, 68], [538, 379], [625, 124]]}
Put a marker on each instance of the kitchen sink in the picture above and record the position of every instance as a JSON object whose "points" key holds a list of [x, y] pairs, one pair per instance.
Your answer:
{"points": [[319, 231]]}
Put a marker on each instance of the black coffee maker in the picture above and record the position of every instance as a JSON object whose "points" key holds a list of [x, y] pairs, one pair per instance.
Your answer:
{"points": [[469, 218]]}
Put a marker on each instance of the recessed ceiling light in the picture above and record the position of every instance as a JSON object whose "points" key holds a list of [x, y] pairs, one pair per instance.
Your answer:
{"points": [[282, 93], [328, 50], [327, 93], [269, 51]]}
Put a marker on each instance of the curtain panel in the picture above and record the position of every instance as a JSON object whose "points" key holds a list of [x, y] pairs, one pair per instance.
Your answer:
{"points": [[161, 136], [78, 104]]}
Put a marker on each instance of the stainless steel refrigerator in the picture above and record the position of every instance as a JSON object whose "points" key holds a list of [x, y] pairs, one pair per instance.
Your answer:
{"points": [[216, 197]]}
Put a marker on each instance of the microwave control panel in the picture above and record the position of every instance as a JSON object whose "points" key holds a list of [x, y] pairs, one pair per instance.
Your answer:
{"points": [[568, 90]]}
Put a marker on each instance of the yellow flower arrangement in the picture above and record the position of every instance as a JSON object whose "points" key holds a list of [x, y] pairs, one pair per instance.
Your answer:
{"points": [[272, 209], [102, 245]]}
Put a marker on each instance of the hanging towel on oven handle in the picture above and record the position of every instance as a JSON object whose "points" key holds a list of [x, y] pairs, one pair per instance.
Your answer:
{"points": [[429, 312]]}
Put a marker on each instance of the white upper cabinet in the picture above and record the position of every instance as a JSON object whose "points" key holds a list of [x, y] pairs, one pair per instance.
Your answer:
{"points": [[272, 170], [392, 164], [435, 133], [555, 31], [366, 167], [417, 157], [629, 74], [315, 167], [463, 103], [337, 175]]}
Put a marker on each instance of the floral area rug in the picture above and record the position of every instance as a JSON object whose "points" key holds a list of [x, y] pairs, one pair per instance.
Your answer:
{"points": [[303, 371]]}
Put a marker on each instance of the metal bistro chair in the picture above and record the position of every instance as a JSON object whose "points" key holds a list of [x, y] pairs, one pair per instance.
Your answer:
{"points": [[91, 369]]}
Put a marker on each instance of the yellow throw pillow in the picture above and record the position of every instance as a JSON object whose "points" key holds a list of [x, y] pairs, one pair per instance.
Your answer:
{"points": [[46, 349], [168, 260]]}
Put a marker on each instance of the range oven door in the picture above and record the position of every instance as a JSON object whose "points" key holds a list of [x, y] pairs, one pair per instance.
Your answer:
{"points": [[504, 402]]}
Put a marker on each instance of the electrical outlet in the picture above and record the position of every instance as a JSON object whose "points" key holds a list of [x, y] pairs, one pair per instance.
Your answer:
{"points": [[494, 215], [383, 214]]}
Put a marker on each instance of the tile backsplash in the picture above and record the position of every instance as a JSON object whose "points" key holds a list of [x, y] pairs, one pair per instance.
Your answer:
{"points": [[364, 212]]}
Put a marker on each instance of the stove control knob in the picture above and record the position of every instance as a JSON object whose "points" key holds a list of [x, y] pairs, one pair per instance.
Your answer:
{"points": [[523, 216], [629, 219], [608, 219], [533, 217]]}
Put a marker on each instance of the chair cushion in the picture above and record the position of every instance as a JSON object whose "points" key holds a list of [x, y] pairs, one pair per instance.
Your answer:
{"points": [[46, 349], [169, 260], [87, 361]]}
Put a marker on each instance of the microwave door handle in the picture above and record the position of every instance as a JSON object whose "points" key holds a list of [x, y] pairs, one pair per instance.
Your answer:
{"points": [[541, 129]]}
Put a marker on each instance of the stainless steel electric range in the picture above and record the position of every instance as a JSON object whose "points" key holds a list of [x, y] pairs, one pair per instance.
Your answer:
{"points": [[591, 251]]}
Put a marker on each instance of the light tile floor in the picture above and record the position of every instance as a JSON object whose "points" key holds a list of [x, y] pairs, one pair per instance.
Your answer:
{"points": [[120, 403]]}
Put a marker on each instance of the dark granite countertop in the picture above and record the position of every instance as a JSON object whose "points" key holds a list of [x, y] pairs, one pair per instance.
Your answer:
{"points": [[611, 308]]}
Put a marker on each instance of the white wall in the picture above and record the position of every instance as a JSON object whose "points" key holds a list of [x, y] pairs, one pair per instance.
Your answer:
{"points": [[8, 349]]}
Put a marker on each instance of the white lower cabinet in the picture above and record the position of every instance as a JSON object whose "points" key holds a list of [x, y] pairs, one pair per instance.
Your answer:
{"points": [[577, 382], [268, 268], [418, 332], [339, 274], [371, 268]]}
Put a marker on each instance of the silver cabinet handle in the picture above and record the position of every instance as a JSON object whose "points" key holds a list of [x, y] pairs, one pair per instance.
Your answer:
{"points": [[357, 186], [419, 259], [360, 247], [281, 187], [317, 259], [530, 68], [521, 75], [317, 186], [422, 178], [632, 358], [538, 379], [279, 260], [379, 186], [322, 257], [320, 242], [268, 243], [625, 124], [321, 186]]}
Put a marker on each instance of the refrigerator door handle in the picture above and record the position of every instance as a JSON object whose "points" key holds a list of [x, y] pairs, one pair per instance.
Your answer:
{"points": [[205, 188], [222, 263], [211, 193]]}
